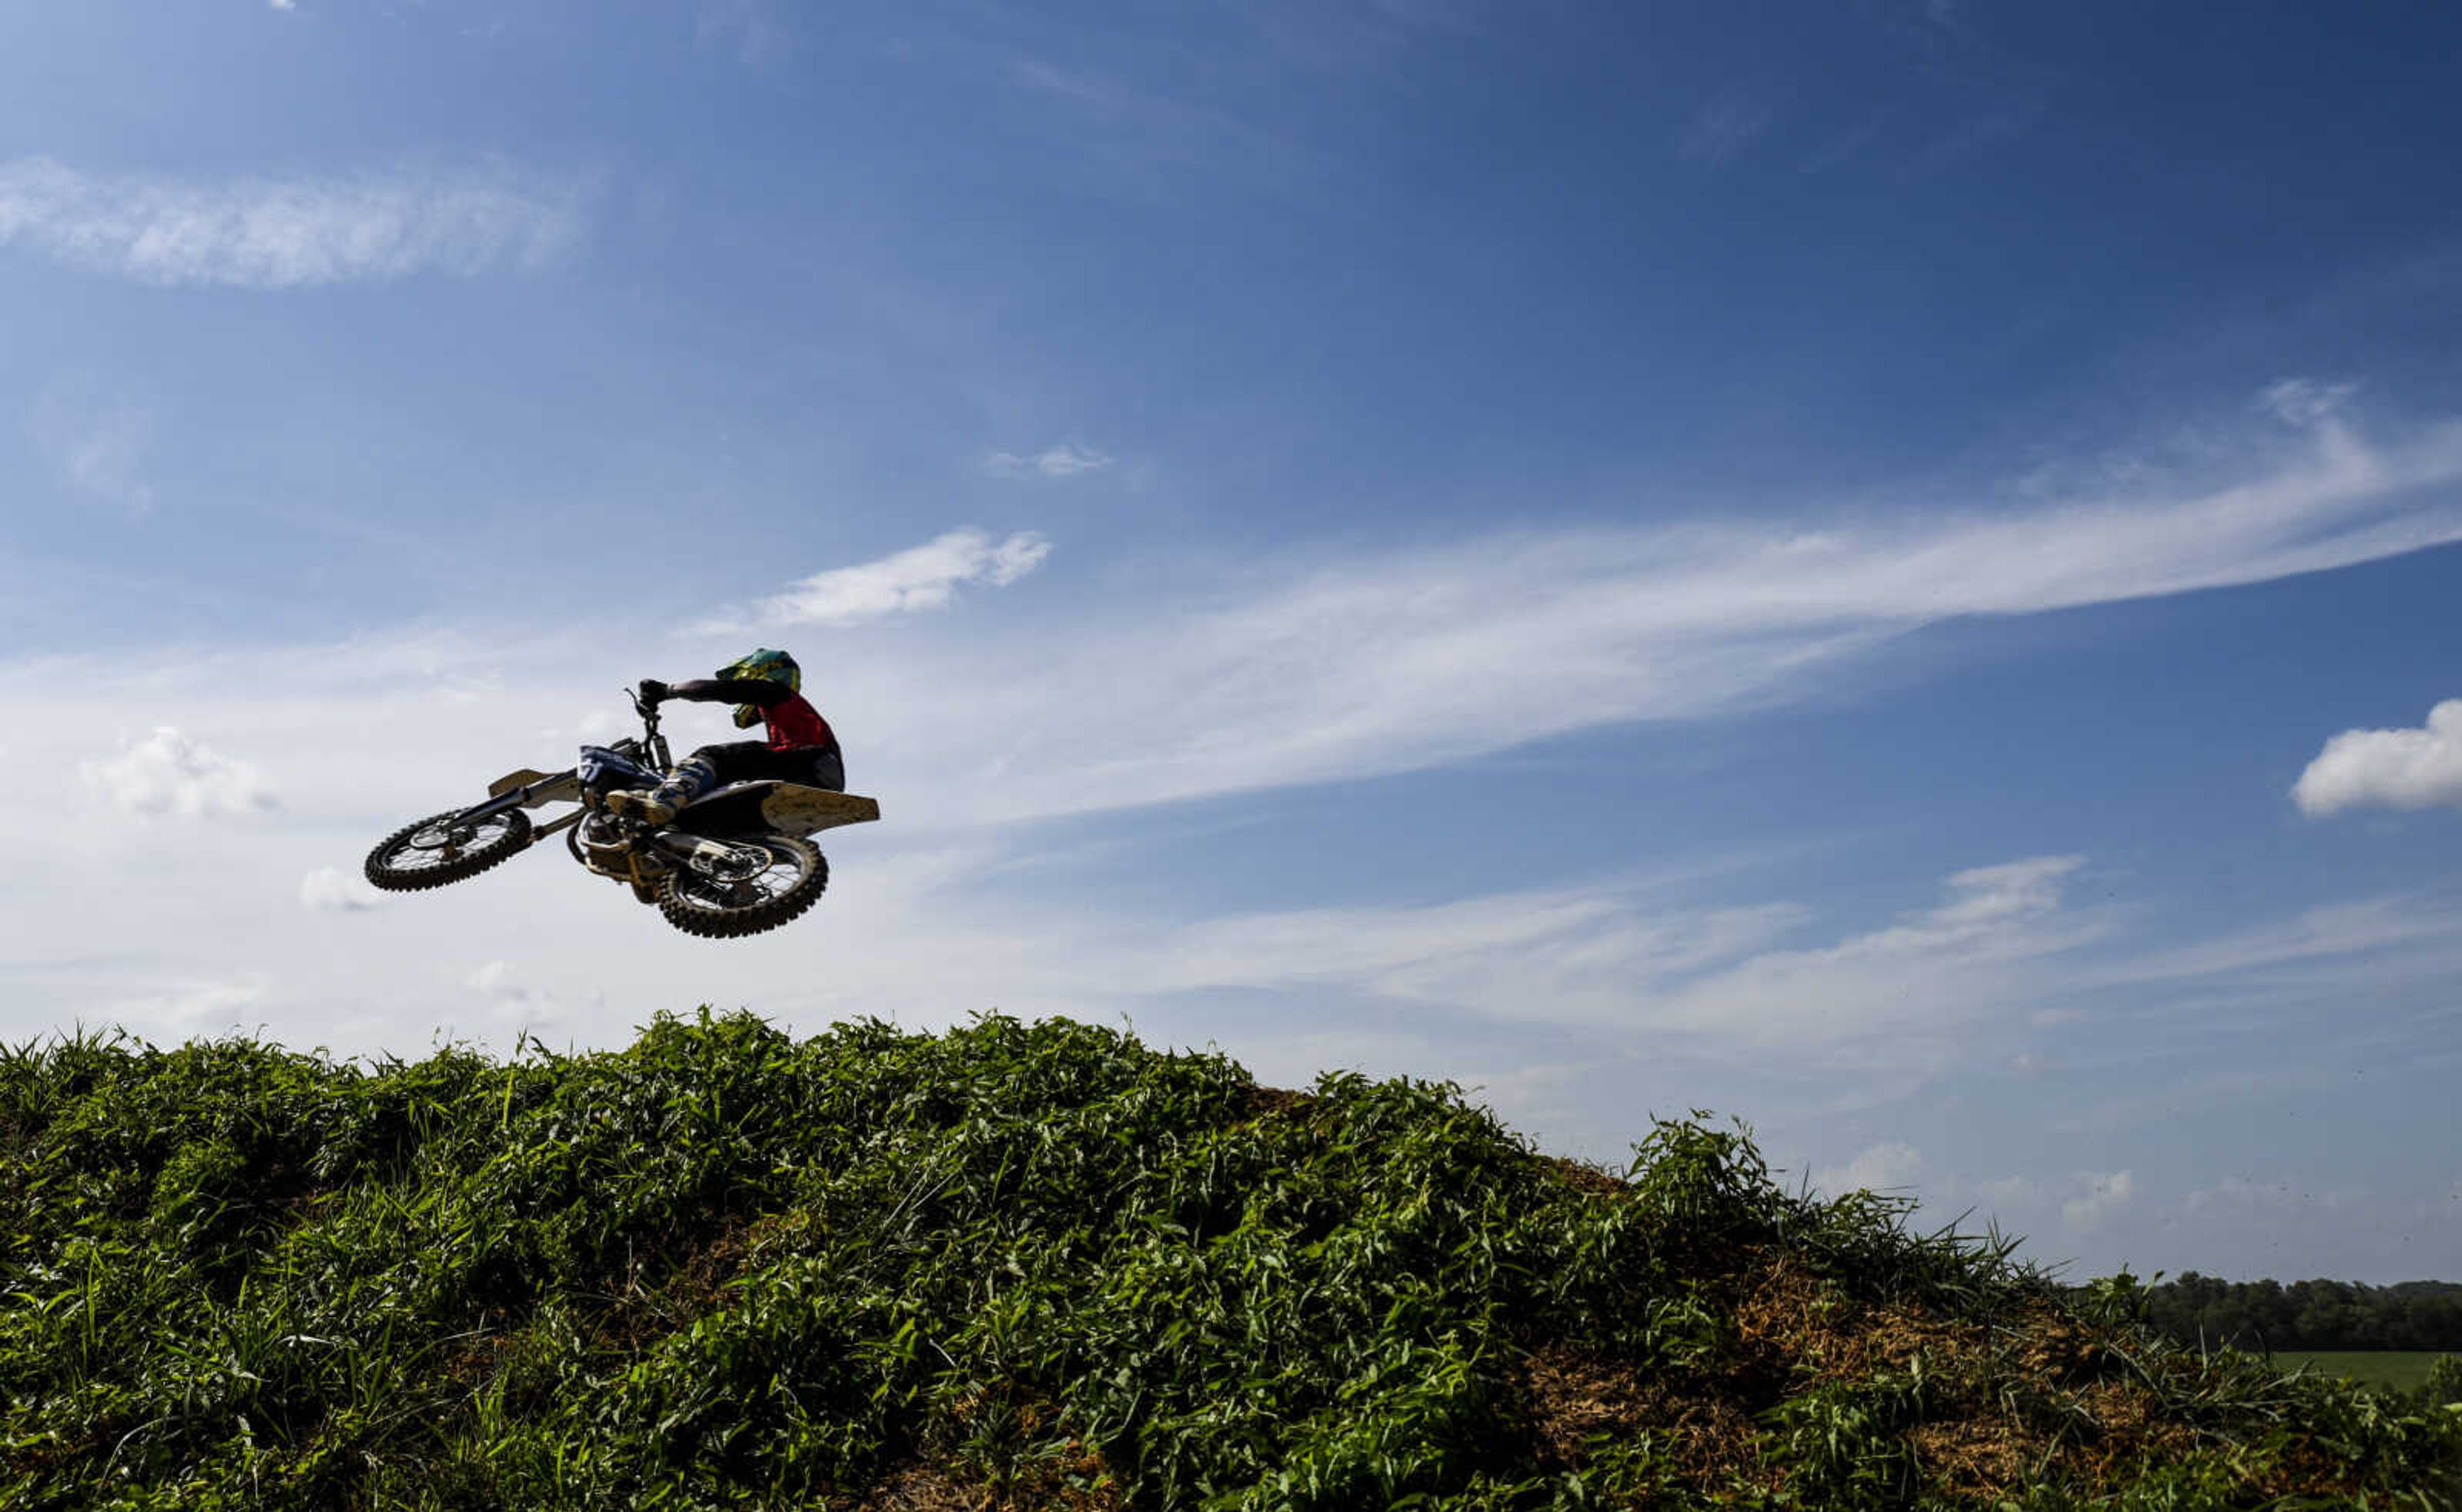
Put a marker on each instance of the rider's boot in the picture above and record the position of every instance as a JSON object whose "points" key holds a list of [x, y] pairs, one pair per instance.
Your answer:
{"points": [[638, 803], [658, 806]]}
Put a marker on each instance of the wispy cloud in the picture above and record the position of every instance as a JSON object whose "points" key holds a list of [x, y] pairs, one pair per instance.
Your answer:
{"points": [[2368, 929], [2392, 768], [511, 1000], [2278, 1196], [1904, 984], [920, 578], [2004, 119], [102, 453], [752, 30], [1064, 459], [2099, 1196], [1420, 658], [1582, 956], [1618, 960], [2305, 402], [166, 772], [1722, 131], [176, 1012], [269, 233], [1891, 1167], [331, 890], [1153, 136]]}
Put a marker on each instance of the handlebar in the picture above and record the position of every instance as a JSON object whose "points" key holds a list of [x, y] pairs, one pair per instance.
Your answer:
{"points": [[648, 714]]}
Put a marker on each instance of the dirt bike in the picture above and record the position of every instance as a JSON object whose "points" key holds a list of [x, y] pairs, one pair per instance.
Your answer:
{"points": [[734, 861]]}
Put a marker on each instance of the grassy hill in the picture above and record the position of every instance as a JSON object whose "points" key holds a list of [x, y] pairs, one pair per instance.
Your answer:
{"points": [[1032, 1265]]}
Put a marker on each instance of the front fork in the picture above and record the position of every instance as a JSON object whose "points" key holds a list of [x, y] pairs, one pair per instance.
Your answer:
{"points": [[529, 796]]}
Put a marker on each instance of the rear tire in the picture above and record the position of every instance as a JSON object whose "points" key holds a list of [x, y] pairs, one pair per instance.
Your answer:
{"points": [[723, 909], [435, 851]]}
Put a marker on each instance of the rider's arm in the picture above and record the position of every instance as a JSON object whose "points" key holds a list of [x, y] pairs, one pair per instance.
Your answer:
{"points": [[759, 692]]}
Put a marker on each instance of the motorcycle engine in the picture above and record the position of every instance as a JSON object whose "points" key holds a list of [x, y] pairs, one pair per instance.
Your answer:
{"points": [[603, 847]]}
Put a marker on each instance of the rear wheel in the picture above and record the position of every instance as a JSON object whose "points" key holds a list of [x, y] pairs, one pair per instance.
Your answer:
{"points": [[446, 849], [720, 903]]}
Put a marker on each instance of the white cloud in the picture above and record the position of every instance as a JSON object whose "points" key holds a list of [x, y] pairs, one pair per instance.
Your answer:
{"points": [[2396, 769], [2099, 1193], [923, 927], [1580, 956], [1423, 658], [500, 980], [1065, 460], [2373, 929], [1206, 684], [262, 234], [920, 578], [331, 890], [166, 772], [190, 1009], [511, 1000], [1888, 1167], [99, 452], [2305, 402], [2009, 1190], [1896, 990], [283, 4], [2085, 1200], [1706, 983]]}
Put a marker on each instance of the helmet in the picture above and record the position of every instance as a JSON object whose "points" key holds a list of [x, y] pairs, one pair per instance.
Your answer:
{"points": [[774, 666]]}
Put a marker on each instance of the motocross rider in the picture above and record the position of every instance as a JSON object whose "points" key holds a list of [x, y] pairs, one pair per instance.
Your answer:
{"points": [[765, 688]]}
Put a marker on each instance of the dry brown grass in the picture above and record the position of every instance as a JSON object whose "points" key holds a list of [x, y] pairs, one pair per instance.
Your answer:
{"points": [[2005, 1403], [1045, 1487]]}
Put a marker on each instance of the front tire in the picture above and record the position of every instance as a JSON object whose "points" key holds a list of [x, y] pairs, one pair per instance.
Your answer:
{"points": [[446, 849], [722, 909]]}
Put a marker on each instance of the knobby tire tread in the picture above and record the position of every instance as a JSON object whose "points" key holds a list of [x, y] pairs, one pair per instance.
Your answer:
{"points": [[733, 924], [515, 839]]}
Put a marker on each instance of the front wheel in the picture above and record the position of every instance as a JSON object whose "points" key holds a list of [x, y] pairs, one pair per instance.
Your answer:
{"points": [[446, 849], [746, 901]]}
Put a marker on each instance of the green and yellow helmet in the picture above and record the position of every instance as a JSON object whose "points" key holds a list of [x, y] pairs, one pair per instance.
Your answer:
{"points": [[774, 666]]}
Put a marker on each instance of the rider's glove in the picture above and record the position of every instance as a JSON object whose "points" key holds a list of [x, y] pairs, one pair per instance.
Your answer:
{"points": [[653, 691]]}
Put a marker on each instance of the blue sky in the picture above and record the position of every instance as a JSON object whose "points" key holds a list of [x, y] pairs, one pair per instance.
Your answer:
{"points": [[1886, 570]]}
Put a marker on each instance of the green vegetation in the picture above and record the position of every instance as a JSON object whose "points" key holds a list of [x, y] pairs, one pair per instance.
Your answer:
{"points": [[2309, 1315], [2402, 1370], [1034, 1265]]}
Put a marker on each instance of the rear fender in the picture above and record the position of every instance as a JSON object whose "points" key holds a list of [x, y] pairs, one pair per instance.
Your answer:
{"points": [[793, 809], [782, 807]]}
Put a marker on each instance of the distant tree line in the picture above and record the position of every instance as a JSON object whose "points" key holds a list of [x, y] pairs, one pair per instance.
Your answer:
{"points": [[2308, 1315]]}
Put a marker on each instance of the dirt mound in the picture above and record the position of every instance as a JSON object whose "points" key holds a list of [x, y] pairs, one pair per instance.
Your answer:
{"points": [[1033, 1267]]}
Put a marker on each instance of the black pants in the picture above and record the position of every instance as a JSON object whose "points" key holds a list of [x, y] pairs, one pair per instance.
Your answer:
{"points": [[750, 760]]}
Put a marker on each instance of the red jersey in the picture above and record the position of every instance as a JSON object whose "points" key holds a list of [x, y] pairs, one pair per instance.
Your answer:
{"points": [[795, 722]]}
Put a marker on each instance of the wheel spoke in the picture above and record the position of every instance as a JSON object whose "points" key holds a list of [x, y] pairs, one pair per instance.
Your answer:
{"points": [[446, 849], [727, 895]]}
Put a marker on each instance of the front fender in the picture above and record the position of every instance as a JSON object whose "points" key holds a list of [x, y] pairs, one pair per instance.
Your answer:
{"points": [[541, 787]]}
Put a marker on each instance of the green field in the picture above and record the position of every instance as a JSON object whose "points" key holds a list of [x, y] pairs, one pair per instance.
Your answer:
{"points": [[2404, 1369]]}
